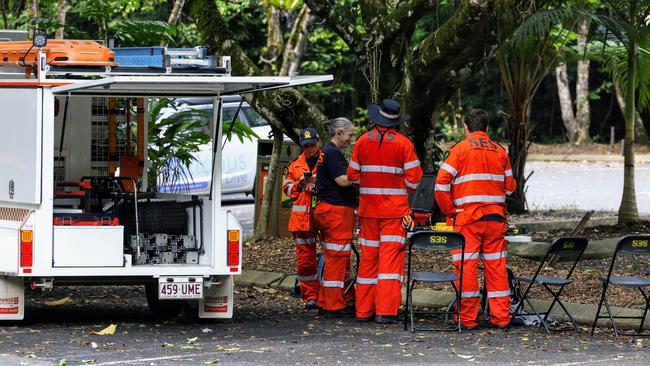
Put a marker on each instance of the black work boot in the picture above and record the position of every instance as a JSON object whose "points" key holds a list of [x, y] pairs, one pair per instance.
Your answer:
{"points": [[386, 319]]}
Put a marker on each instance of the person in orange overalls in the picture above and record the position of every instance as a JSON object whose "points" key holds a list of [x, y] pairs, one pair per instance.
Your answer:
{"points": [[471, 189], [386, 168], [334, 217], [298, 185]]}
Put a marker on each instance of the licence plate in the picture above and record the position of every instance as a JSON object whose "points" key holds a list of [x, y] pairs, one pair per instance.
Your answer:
{"points": [[180, 288]]}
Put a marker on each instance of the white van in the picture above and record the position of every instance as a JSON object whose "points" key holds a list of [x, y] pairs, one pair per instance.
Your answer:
{"points": [[66, 220], [239, 158]]}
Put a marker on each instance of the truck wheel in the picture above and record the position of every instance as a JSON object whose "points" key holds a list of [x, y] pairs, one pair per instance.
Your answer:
{"points": [[161, 308], [191, 312]]}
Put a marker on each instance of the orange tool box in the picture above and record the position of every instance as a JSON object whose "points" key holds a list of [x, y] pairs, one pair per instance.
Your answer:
{"points": [[59, 53]]}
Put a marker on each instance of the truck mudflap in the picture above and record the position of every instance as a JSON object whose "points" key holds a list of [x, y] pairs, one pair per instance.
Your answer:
{"points": [[217, 301], [12, 298]]}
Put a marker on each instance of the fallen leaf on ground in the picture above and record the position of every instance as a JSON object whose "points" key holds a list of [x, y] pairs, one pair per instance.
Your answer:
{"points": [[106, 331], [57, 302]]}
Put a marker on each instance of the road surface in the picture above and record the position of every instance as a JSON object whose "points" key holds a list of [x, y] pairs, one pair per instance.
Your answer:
{"points": [[272, 328]]}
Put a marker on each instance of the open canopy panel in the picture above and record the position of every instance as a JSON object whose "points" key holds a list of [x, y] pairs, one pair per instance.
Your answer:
{"points": [[183, 86]]}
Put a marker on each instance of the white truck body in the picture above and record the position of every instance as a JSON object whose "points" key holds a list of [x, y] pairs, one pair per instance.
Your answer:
{"points": [[95, 254]]}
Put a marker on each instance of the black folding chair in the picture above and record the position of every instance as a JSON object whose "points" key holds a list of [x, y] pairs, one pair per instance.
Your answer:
{"points": [[567, 247], [634, 245], [434, 241]]}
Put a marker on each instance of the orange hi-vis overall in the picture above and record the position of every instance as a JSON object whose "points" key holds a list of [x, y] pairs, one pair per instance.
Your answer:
{"points": [[471, 190], [386, 170], [301, 225], [336, 229]]}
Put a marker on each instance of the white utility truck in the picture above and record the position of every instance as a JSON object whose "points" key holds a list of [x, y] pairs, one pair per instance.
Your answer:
{"points": [[66, 218]]}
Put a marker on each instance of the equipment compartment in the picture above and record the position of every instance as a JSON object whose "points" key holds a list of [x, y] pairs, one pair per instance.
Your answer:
{"points": [[88, 246]]}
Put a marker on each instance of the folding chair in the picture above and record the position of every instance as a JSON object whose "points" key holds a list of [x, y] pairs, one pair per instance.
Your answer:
{"points": [[634, 245], [568, 247], [433, 241]]}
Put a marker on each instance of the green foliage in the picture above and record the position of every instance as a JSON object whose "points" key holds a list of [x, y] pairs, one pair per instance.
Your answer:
{"points": [[143, 32]]}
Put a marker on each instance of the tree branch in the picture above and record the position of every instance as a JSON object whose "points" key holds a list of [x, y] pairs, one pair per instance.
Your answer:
{"points": [[372, 12], [406, 15], [324, 9]]}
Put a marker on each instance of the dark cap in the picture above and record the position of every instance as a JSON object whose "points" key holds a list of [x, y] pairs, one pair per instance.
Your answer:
{"points": [[308, 136]]}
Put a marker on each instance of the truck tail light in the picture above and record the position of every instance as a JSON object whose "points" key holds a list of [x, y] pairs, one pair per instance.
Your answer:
{"points": [[26, 248], [233, 248]]}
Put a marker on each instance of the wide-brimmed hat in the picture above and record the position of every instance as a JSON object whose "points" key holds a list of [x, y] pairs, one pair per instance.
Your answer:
{"points": [[386, 114], [308, 136]]}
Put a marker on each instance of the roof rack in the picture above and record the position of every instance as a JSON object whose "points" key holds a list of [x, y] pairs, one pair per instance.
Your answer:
{"points": [[71, 59]]}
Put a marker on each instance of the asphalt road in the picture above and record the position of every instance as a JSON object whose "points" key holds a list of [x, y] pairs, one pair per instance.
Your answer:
{"points": [[272, 328], [584, 186]]}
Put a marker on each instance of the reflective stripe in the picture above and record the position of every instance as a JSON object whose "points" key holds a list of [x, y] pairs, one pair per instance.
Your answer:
{"points": [[354, 165], [382, 191], [369, 243], [339, 284], [308, 278], [390, 276], [473, 177], [381, 169], [449, 168], [392, 239], [493, 256], [493, 294], [297, 208], [443, 187], [509, 192], [411, 164], [337, 247], [366, 281], [289, 183], [469, 294], [305, 240], [508, 173], [469, 199], [468, 256], [410, 185], [355, 181]]}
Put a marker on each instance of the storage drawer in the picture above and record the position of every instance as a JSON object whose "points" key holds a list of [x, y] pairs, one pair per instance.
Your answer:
{"points": [[88, 246]]}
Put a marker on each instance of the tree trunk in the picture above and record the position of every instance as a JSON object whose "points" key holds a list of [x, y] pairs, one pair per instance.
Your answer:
{"points": [[297, 42], [61, 12], [518, 135], [273, 51], [176, 12], [628, 211], [269, 187], [583, 111], [33, 10], [566, 103], [640, 134]]}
